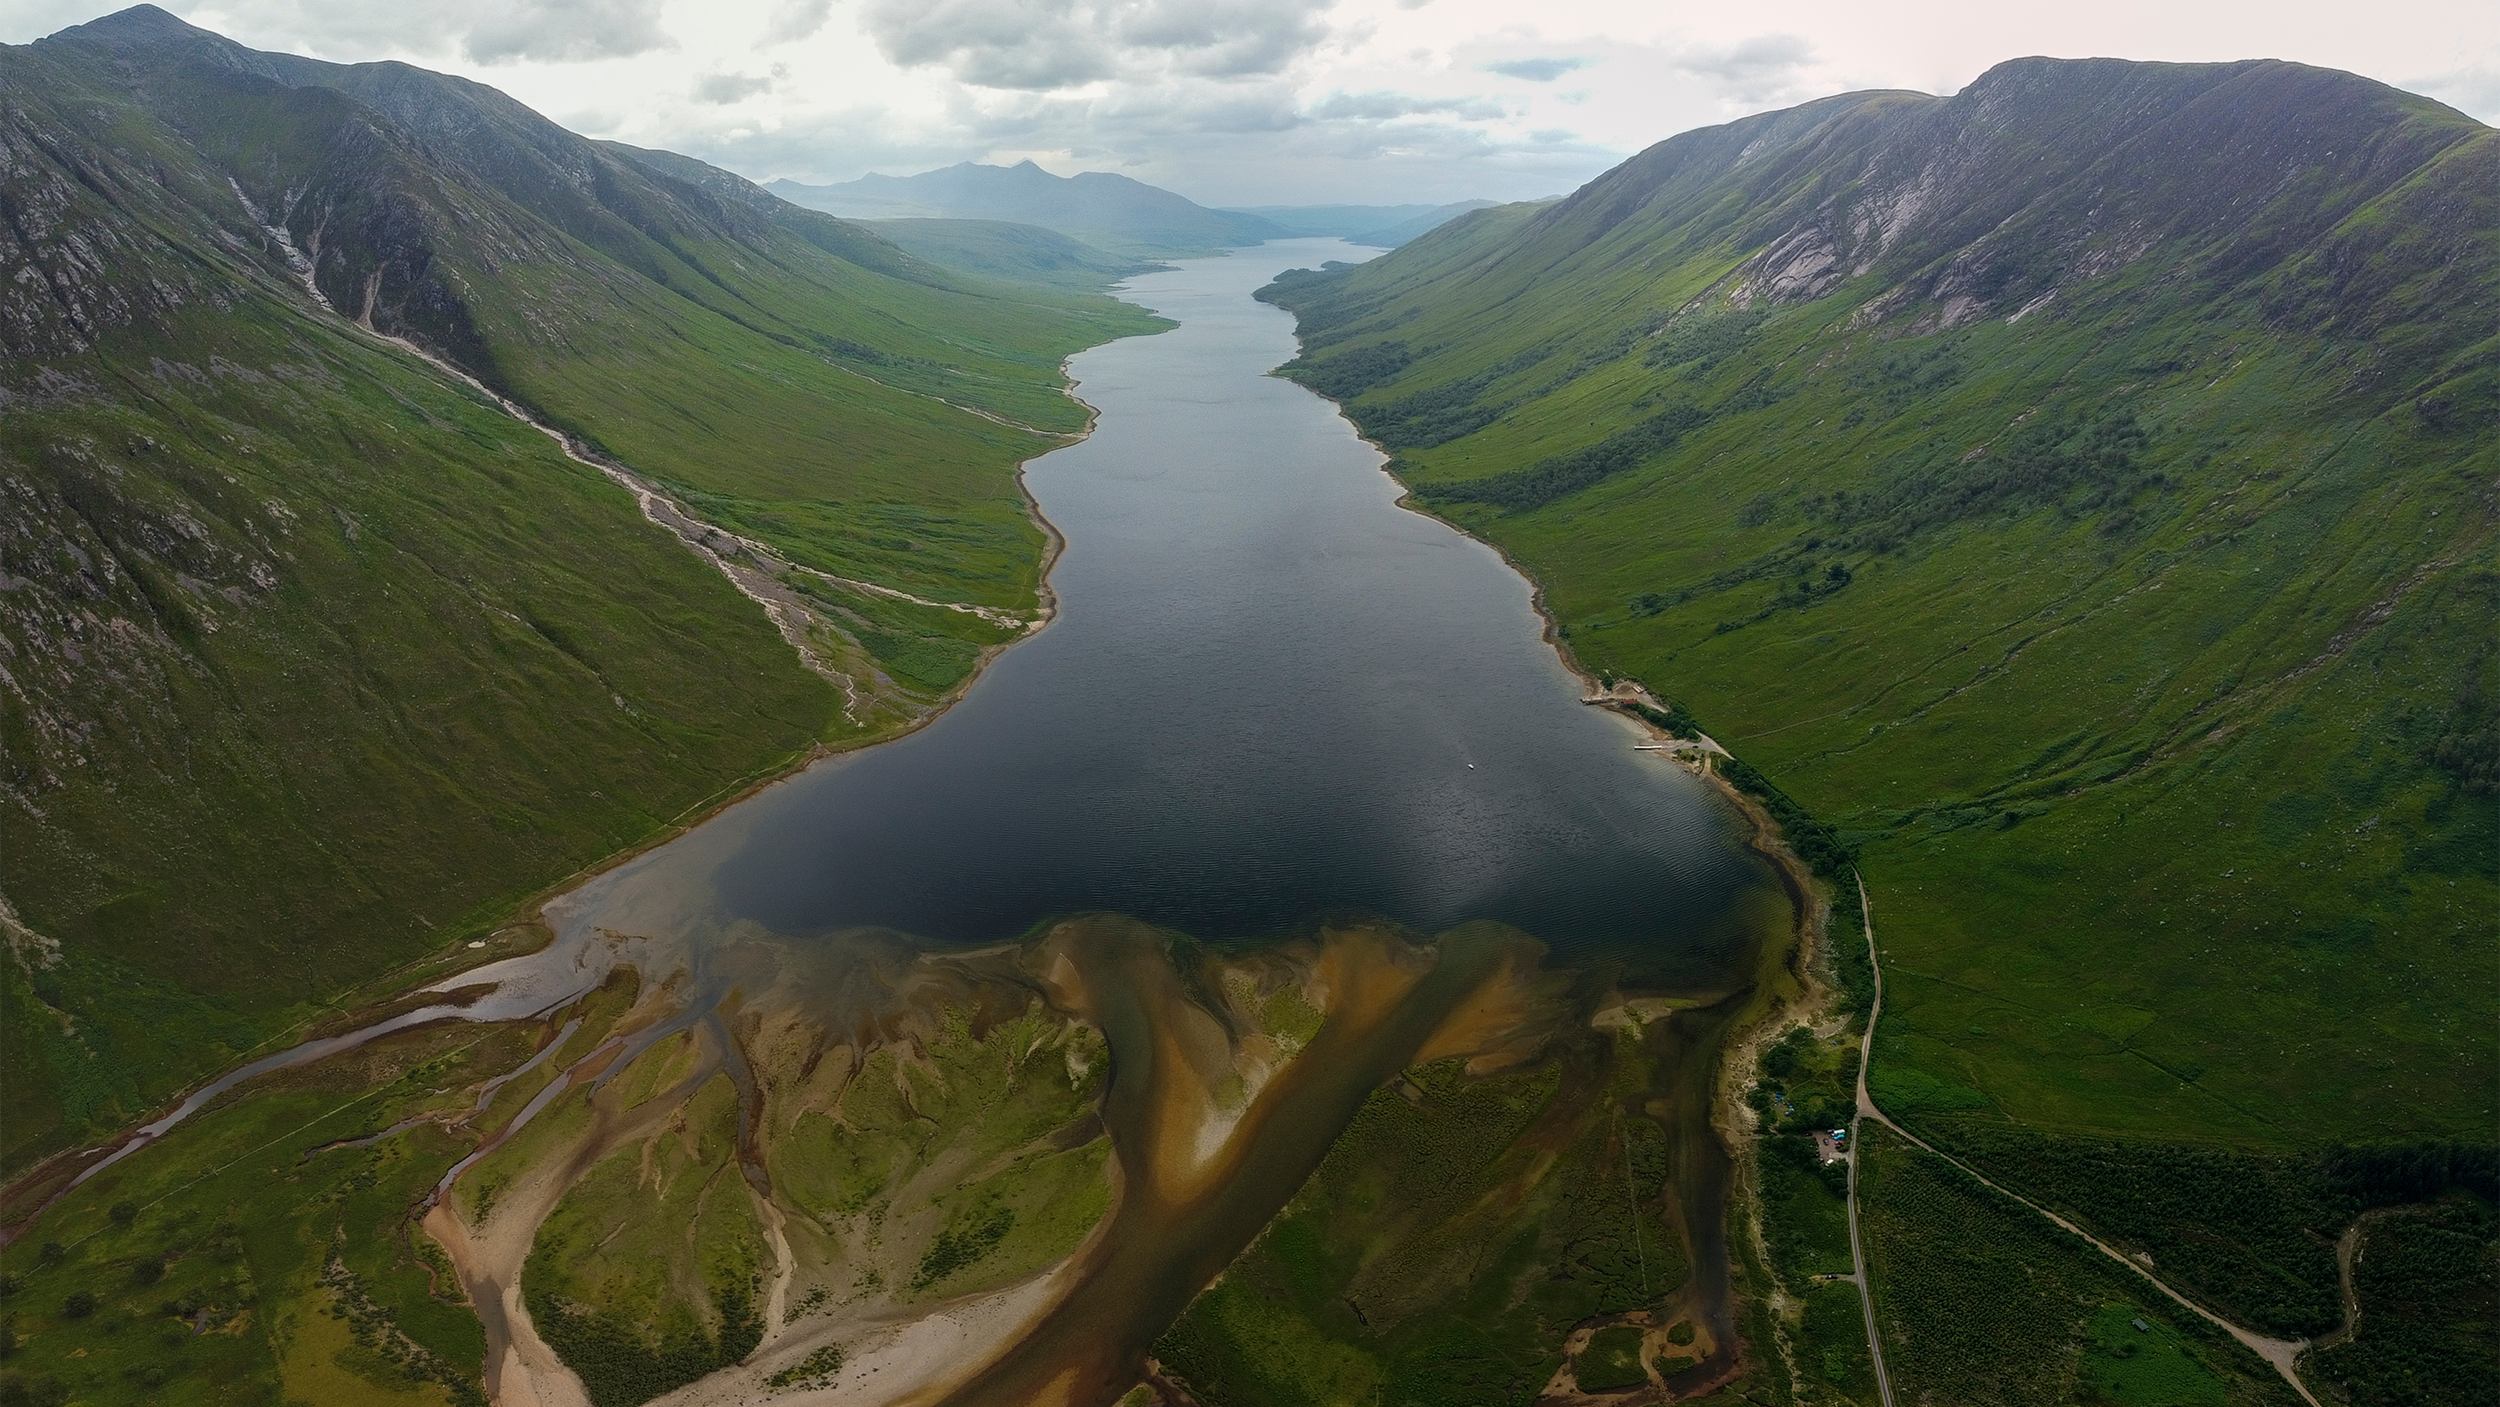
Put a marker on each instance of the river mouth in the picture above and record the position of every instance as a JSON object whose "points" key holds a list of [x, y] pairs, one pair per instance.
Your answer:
{"points": [[1001, 1175]]}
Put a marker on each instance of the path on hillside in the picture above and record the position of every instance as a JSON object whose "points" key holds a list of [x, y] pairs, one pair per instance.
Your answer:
{"points": [[1866, 1106], [2284, 1354]]}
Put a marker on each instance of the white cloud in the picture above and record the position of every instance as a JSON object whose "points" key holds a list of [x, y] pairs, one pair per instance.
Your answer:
{"points": [[793, 20], [1044, 45], [1382, 107], [563, 31], [2473, 89], [1253, 101], [721, 89], [1541, 70], [1751, 70]]}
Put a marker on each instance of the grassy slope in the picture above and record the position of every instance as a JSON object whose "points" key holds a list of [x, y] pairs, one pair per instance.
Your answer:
{"points": [[317, 661], [2144, 758], [367, 663]]}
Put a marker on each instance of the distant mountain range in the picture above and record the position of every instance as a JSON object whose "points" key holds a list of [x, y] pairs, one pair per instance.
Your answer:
{"points": [[1007, 250], [1108, 211], [1382, 226]]}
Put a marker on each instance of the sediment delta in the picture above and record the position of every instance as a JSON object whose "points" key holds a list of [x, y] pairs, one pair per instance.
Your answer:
{"points": [[1001, 1175]]}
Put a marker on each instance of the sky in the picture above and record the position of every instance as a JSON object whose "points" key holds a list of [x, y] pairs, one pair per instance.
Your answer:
{"points": [[1247, 102]]}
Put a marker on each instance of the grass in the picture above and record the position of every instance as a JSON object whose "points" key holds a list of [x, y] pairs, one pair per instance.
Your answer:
{"points": [[328, 664], [1612, 1360], [286, 1272], [931, 1178], [644, 1277], [1450, 1241], [2135, 647]]}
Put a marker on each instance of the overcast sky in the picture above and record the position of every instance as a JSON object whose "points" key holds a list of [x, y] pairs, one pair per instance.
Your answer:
{"points": [[1276, 101]]}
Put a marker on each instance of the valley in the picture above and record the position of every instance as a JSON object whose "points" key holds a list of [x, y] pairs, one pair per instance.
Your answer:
{"points": [[230, 495], [619, 785]]}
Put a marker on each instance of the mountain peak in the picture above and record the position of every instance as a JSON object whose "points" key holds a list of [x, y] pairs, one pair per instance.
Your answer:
{"points": [[138, 26]]}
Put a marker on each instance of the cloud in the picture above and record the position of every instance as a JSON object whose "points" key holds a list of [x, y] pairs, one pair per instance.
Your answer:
{"points": [[2474, 90], [1536, 70], [489, 32], [1751, 70], [1383, 107], [1046, 45], [564, 31], [793, 20], [724, 88]]}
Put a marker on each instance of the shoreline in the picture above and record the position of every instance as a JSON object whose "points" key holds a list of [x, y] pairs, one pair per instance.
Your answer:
{"points": [[361, 1004], [1784, 976], [1799, 959]]}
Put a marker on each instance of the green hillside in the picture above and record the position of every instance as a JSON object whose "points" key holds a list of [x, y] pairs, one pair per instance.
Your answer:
{"points": [[2079, 494], [313, 660]]}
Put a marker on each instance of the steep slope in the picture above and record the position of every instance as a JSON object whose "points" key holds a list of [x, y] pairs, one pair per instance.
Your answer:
{"points": [[2079, 493], [315, 658], [1112, 212]]}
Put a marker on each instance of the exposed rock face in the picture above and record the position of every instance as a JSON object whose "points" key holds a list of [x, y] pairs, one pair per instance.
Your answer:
{"points": [[2044, 174]]}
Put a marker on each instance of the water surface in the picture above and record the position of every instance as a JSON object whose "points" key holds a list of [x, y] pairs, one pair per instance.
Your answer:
{"points": [[1270, 692]]}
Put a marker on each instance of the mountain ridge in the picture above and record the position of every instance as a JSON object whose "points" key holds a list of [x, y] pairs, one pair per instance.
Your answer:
{"points": [[316, 659], [2139, 318], [1120, 214], [2076, 504]]}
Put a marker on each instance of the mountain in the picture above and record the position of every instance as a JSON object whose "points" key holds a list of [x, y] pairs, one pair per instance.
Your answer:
{"points": [[1112, 212], [2073, 502], [313, 659], [1005, 250], [1390, 236], [1383, 226]]}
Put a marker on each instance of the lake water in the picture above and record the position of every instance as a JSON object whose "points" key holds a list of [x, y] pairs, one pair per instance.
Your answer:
{"points": [[1270, 692], [1270, 695]]}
